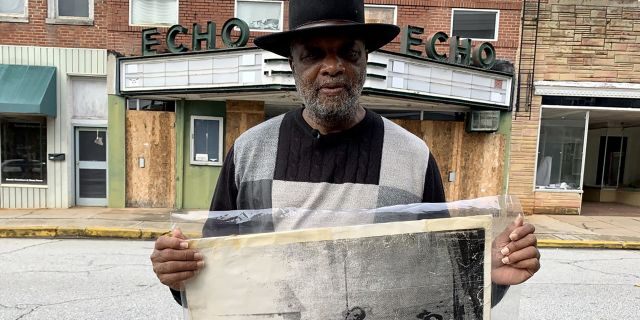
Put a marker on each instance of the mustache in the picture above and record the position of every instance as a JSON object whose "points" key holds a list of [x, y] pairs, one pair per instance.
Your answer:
{"points": [[333, 84]]}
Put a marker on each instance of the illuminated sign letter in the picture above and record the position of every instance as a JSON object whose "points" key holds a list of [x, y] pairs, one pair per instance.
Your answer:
{"points": [[209, 37], [460, 51], [407, 40], [432, 53], [171, 39], [148, 41], [226, 33]]}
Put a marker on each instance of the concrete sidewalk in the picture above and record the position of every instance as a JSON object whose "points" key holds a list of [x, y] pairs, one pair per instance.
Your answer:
{"points": [[622, 232]]}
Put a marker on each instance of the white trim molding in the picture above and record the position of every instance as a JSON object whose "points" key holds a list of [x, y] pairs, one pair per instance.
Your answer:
{"points": [[587, 89]]}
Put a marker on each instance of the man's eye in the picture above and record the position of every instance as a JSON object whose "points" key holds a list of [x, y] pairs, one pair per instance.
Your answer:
{"points": [[312, 55]]}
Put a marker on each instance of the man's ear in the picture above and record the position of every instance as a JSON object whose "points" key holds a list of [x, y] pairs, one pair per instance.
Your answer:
{"points": [[291, 63]]}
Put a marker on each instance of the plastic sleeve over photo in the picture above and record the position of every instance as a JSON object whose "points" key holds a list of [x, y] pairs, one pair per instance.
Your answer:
{"points": [[423, 260]]}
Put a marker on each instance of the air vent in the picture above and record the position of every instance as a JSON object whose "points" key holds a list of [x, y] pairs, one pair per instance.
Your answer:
{"points": [[483, 121]]}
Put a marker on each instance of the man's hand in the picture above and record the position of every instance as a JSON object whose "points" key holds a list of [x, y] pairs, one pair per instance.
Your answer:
{"points": [[173, 262], [515, 256]]}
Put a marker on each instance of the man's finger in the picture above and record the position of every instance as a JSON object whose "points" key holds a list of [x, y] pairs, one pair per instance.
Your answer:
{"points": [[176, 232], [174, 280], [179, 255], [504, 235], [522, 232], [177, 266], [520, 255], [528, 240], [532, 264], [167, 242]]}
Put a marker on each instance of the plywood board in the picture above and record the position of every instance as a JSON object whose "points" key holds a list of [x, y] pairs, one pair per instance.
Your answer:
{"points": [[241, 116], [398, 270], [150, 135]]}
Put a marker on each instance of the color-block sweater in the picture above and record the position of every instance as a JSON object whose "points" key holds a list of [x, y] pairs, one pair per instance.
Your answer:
{"points": [[283, 162]]}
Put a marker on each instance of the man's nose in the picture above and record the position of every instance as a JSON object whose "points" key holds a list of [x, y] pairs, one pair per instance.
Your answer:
{"points": [[332, 65]]}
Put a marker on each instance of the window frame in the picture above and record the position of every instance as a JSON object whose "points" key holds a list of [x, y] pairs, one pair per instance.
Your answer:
{"points": [[160, 25], [281, 21], [386, 6], [43, 184], [54, 18], [584, 151], [192, 154], [12, 17], [496, 27]]}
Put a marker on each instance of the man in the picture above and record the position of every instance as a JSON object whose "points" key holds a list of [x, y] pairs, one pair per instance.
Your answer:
{"points": [[333, 153]]}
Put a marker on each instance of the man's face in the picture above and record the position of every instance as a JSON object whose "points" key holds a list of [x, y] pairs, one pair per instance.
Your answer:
{"points": [[329, 74]]}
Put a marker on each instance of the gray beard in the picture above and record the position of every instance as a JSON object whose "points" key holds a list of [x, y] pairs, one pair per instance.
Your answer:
{"points": [[330, 111]]}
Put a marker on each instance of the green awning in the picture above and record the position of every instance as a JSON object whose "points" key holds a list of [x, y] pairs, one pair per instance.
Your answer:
{"points": [[28, 90]]}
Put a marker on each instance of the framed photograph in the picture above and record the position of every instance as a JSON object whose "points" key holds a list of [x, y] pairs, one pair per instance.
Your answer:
{"points": [[428, 269]]}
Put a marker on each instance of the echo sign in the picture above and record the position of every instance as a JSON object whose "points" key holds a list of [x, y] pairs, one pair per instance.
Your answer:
{"points": [[150, 37], [460, 50]]}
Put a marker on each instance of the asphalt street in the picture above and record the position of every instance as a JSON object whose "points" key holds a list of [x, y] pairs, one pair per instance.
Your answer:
{"points": [[109, 279]]}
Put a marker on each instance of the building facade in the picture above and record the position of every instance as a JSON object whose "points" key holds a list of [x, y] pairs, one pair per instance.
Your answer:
{"points": [[53, 67], [174, 108], [576, 144]]}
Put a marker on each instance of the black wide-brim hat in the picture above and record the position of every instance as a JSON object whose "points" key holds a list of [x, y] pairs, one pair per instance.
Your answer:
{"points": [[311, 18]]}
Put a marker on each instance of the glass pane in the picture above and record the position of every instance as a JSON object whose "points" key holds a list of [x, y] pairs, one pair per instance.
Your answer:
{"points": [[260, 15], [206, 140], [93, 183], [560, 150], [154, 12], [73, 8], [92, 146], [474, 24], [24, 147], [379, 15], [12, 6], [212, 140]]}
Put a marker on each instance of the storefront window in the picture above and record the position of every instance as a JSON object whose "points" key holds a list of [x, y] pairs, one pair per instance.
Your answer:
{"points": [[206, 140], [24, 147], [560, 149]]}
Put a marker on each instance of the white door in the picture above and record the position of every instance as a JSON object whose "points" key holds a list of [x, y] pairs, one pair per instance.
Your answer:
{"points": [[91, 166]]}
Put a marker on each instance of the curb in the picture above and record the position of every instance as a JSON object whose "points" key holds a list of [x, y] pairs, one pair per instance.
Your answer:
{"points": [[152, 234], [589, 244], [83, 232]]}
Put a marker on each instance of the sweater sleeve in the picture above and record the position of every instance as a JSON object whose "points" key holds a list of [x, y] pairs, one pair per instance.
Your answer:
{"points": [[433, 189], [223, 199]]}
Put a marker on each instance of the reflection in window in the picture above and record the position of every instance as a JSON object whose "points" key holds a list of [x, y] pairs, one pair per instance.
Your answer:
{"points": [[475, 24], [260, 15], [206, 140], [12, 7], [560, 149], [24, 147], [73, 8], [379, 14]]}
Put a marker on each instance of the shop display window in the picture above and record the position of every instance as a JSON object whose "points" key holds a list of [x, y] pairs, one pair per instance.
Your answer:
{"points": [[24, 150]]}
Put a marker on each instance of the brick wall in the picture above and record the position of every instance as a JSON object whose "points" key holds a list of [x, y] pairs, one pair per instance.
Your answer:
{"points": [[39, 33], [578, 40]]}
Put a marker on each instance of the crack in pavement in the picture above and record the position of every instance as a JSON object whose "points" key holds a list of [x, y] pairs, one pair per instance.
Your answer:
{"points": [[31, 246], [575, 264], [143, 288]]}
